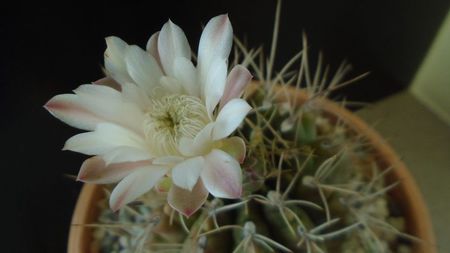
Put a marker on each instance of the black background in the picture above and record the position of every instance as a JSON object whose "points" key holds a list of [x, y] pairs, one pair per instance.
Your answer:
{"points": [[48, 50]]}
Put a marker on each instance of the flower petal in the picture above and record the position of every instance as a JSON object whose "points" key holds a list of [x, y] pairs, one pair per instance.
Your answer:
{"points": [[230, 117], [94, 104], [134, 94], [110, 104], [214, 84], [237, 80], [115, 59], [185, 146], [187, 202], [126, 154], [198, 145], [105, 138], [172, 43], [108, 81], [152, 47], [169, 86], [234, 146], [186, 73], [67, 108], [98, 91], [134, 185], [215, 43], [186, 173], [222, 175], [143, 68], [95, 170]]}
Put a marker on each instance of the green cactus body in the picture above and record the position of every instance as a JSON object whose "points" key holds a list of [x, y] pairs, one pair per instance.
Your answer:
{"points": [[306, 128]]}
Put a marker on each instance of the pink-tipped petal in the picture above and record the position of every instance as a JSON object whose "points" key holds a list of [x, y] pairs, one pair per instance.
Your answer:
{"points": [[104, 139], [215, 42], [94, 104], [95, 170], [108, 81], [142, 68], [172, 43], [234, 146], [152, 47], [187, 202], [186, 173], [237, 80], [230, 117], [111, 105], [214, 84], [67, 108], [222, 175], [134, 185]]}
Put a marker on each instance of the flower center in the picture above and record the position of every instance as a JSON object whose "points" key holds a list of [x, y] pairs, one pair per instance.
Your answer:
{"points": [[170, 118]]}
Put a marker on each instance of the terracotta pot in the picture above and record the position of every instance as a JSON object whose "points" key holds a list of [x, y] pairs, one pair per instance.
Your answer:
{"points": [[407, 193]]}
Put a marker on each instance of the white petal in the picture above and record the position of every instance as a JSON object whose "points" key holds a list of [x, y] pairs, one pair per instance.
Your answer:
{"points": [[108, 81], [95, 170], [134, 94], [172, 43], [230, 117], [215, 43], [185, 146], [134, 185], [143, 68], [109, 104], [115, 59], [186, 73], [199, 145], [222, 175], [204, 138], [186, 173], [126, 154], [187, 202], [104, 139], [115, 49], [237, 80], [169, 86], [98, 90], [152, 47], [214, 84]]}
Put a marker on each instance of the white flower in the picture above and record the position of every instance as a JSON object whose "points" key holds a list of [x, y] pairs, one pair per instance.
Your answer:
{"points": [[157, 116]]}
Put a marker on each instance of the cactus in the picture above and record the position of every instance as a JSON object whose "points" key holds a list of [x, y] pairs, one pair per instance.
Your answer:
{"points": [[310, 184], [313, 187]]}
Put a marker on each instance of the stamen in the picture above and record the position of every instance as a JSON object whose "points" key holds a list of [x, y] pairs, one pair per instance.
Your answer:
{"points": [[171, 118]]}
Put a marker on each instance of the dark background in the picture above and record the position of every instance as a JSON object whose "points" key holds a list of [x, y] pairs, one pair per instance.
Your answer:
{"points": [[48, 50]]}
